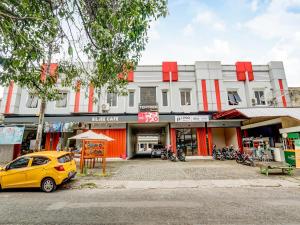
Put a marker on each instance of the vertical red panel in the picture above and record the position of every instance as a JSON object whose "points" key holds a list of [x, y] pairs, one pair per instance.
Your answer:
{"points": [[168, 67], [201, 139], [240, 71], [249, 69], [245, 133], [166, 71], [17, 151], [174, 70], [210, 140], [91, 98], [52, 71], [9, 96], [204, 95], [173, 139], [218, 95], [116, 148], [239, 138], [130, 77], [77, 97], [55, 141], [282, 93]]}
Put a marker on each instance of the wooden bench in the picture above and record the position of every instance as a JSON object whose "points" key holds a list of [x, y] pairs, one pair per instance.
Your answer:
{"points": [[267, 167]]}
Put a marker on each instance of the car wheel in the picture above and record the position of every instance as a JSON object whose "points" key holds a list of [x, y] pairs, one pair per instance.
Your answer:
{"points": [[48, 185]]}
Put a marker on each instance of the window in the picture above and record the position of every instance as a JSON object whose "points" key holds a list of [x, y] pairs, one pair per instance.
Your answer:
{"points": [[165, 98], [259, 97], [32, 101], [148, 95], [131, 98], [233, 98], [112, 99], [185, 97], [19, 163], [62, 101], [65, 158], [38, 161]]}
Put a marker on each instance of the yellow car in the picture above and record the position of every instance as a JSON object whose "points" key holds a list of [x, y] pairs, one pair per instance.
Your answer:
{"points": [[45, 169]]}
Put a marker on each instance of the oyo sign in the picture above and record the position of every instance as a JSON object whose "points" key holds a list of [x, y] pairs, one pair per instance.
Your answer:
{"points": [[148, 117], [189, 119]]}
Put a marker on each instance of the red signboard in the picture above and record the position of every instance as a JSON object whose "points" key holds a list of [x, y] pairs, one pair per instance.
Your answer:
{"points": [[148, 117]]}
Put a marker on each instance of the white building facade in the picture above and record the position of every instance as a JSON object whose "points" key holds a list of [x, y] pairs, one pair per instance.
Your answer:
{"points": [[169, 101]]}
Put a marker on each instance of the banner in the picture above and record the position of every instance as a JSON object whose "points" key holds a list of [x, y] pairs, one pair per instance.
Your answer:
{"points": [[11, 135], [189, 119], [148, 117]]}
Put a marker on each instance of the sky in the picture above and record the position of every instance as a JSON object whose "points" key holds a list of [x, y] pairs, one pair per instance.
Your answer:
{"points": [[259, 31]]}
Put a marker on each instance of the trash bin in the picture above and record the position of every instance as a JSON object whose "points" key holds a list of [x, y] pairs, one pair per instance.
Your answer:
{"points": [[289, 156], [277, 155]]}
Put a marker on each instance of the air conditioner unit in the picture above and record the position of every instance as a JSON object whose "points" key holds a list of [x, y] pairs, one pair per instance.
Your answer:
{"points": [[105, 107], [253, 100]]}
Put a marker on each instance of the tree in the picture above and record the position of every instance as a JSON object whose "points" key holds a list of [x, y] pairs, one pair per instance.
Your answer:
{"points": [[110, 33]]}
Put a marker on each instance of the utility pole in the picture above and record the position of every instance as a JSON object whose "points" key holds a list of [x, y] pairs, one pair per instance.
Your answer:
{"points": [[40, 127]]}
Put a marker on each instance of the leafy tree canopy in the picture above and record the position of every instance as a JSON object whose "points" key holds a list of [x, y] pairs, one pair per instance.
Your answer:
{"points": [[109, 33]]}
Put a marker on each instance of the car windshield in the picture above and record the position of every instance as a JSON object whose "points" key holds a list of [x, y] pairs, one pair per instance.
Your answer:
{"points": [[65, 158]]}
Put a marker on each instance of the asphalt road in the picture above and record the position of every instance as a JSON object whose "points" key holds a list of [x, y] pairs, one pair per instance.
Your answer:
{"points": [[268, 205]]}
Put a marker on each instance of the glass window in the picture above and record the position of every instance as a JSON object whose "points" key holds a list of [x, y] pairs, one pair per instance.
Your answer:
{"points": [[19, 163], [65, 158], [148, 95], [186, 139], [185, 96], [131, 98], [165, 98], [112, 99], [38, 161], [260, 97], [62, 101], [32, 101], [233, 98]]}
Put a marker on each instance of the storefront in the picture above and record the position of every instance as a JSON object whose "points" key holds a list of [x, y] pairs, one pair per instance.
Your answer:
{"points": [[196, 134]]}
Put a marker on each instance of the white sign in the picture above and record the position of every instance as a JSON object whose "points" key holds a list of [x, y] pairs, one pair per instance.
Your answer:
{"points": [[189, 119], [105, 119]]}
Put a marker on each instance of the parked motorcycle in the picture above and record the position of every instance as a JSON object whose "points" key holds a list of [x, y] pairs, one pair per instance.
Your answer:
{"points": [[244, 159], [217, 153], [167, 153], [180, 155]]}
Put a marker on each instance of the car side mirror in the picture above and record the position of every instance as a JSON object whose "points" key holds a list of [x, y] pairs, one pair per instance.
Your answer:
{"points": [[6, 168]]}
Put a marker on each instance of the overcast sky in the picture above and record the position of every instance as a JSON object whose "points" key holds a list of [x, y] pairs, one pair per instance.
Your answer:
{"points": [[229, 30]]}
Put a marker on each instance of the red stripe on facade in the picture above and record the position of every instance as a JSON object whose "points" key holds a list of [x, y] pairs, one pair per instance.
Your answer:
{"points": [[218, 95], [173, 138], [282, 93], [210, 140], [9, 97], [239, 138], [91, 98], [201, 138], [168, 67], [130, 76], [77, 97], [204, 95]]}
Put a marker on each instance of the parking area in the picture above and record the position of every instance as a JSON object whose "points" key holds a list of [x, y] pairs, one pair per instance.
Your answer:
{"points": [[159, 170]]}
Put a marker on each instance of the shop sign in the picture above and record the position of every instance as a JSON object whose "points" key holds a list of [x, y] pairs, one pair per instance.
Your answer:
{"points": [[11, 135], [148, 117], [148, 108], [105, 119], [189, 119]]}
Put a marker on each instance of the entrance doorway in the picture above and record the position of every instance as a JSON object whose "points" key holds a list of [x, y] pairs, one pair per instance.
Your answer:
{"points": [[142, 138]]}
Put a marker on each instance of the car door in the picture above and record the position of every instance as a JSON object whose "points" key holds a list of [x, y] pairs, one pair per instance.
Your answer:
{"points": [[15, 174], [36, 171]]}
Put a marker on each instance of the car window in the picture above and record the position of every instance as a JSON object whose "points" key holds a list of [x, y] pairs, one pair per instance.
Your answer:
{"points": [[38, 161], [19, 163], [65, 158]]}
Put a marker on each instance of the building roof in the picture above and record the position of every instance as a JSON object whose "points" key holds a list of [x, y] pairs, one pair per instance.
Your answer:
{"points": [[247, 113]]}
